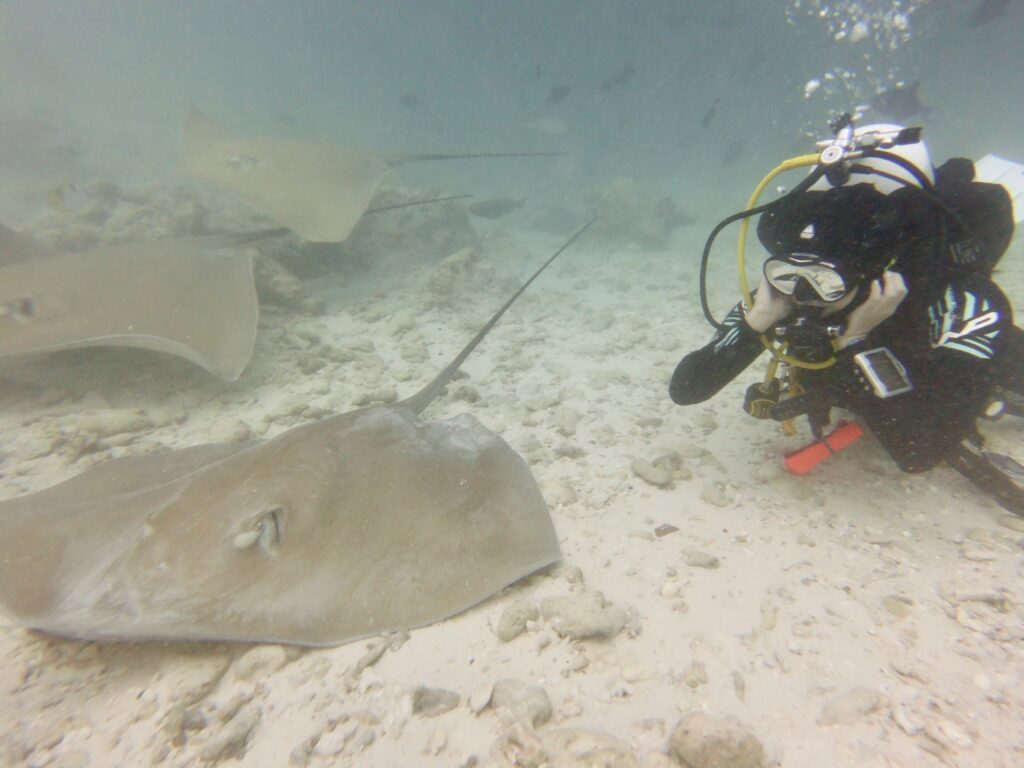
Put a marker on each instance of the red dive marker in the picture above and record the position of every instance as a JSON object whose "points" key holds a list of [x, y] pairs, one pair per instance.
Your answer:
{"points": [[803, 460]]}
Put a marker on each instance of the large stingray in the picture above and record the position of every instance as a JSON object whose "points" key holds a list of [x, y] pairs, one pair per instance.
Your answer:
{"points": [[171, 296], [365, 522], [317, 190]]}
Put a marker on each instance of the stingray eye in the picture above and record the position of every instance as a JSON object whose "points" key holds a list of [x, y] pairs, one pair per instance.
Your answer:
{"points": [[266, 531]]}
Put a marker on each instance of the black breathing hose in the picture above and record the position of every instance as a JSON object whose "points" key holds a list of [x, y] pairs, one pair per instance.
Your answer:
{"points": [[812, 177], [705, 257]]}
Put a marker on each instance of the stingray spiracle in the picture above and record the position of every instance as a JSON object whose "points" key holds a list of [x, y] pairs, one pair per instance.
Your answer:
{"points": [[267, 531]]}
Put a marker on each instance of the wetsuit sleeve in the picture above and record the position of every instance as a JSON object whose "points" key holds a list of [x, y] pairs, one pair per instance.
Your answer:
{"points": [[968, 328], [703, 373]]}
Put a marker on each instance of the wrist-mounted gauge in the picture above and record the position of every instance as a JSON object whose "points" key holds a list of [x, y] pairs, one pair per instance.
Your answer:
{"points": [[880, 370]]}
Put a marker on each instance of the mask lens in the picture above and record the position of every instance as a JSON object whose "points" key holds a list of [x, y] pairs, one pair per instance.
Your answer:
{"points": [[785, 275]]}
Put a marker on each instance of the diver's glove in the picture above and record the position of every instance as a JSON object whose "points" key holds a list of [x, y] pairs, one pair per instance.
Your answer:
{"points": [[770, 306], [887, 293]]}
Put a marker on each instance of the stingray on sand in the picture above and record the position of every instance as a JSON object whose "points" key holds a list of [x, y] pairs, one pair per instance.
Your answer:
{"points": [[171, 296], [317, 190], [362, 523]]}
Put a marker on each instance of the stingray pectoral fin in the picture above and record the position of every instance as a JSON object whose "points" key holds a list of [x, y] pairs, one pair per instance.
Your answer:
{"points": [[428, 519], [317, 190], [169, 296]]}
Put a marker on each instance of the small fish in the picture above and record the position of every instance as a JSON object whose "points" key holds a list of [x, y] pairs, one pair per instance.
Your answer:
{"points": [[558, 94], [710, 114], [622, 77], [987, 11], [20, 310], [496, 207], [900, 102], [410, 101]]}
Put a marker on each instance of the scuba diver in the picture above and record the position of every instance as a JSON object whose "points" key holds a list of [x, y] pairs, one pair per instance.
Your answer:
{"points": [[877, 298]]}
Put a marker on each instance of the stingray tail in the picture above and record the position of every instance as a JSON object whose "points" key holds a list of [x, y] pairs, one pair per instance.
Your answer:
{"points": [[418, 402], [238, 239], [396, 206]]}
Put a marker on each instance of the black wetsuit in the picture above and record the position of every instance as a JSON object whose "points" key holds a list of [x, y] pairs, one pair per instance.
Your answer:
{"points": [[953, 369]]}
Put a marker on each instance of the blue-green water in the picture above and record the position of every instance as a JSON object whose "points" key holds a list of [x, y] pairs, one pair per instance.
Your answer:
{"points": [[98, 88]]}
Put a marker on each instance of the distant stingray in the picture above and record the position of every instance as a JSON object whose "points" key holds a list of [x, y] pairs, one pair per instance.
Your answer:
{"points": [[558, 94], [362, 523], [621, 77], [170, 296], [317, 190], [710, 114]]}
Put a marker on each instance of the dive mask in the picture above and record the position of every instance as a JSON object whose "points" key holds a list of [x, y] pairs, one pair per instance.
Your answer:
{"points": [[808, 279]]}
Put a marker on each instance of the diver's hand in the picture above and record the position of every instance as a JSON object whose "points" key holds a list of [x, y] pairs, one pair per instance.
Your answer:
{"points": [[887, 292], [770, 307]]}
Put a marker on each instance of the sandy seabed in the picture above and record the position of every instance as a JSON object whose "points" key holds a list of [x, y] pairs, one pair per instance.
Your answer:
{"points": [[854, 617]]}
